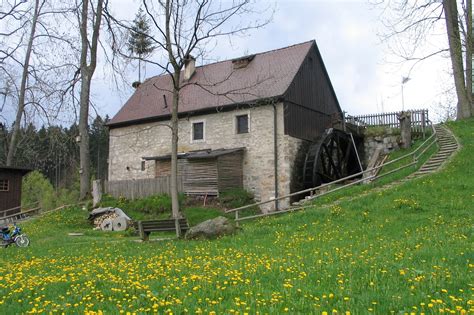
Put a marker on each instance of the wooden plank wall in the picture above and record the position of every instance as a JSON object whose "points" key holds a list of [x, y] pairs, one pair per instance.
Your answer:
{"points": [[230, 172], [195, 177], [200, 177], [11, 198], [140, 188], [310, 101], [305, 123], [163, 167]]}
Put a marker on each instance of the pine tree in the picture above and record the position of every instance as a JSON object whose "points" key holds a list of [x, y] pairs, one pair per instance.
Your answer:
{"points": [[139, 41]]}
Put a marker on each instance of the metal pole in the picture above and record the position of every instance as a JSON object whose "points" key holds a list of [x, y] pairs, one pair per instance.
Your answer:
{"points": [[403, 100], [275, 156], [357, 153]]}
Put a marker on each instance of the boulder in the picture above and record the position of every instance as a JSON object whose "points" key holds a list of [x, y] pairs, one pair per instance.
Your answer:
{"points": [[211, 229]]}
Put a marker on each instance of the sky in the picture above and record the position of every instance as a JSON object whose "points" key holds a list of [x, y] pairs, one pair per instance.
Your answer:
{"points": [[359, 64]]}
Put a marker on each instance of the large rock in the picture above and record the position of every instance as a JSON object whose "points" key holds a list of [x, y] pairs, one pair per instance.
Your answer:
{"points": [[211, 229]]}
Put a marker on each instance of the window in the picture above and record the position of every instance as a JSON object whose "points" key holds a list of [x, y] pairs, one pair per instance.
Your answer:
{"points": [[143, 165], [198, 131], [242, 123], [4, 185]]}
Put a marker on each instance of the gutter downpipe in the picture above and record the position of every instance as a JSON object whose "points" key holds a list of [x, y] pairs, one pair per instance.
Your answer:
{"points": [[275, 155]]}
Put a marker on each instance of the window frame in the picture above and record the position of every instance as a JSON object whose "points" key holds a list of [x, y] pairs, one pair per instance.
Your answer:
{"points": [[236, 124], [203, 122], [4, 185]]}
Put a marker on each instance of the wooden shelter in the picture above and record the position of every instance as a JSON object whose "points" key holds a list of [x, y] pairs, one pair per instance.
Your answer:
{"points": [[10, 188], [205, 172]]}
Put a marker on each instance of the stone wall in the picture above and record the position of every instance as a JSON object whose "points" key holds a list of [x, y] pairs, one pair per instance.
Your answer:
{"points": [[387, 142], [129, 144]]}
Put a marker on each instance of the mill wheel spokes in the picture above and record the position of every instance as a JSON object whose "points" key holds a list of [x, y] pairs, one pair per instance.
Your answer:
{"points": [[331, 158]]}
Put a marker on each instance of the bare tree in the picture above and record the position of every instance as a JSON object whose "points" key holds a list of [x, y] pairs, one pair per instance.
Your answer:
{"points": [[469, 52], [410, 22], [455, 49], [10, 8], [21, 100], [89, 32], [185, 30], [33, 64]]}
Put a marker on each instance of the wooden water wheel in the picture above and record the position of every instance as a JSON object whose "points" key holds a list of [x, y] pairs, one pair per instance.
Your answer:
{"points": [[331, 158]]}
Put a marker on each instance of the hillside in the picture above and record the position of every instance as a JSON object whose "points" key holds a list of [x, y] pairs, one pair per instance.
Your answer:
{"points": [[404, 250]]}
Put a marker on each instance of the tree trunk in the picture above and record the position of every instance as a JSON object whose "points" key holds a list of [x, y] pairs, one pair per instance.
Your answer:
{"points": [[24, 79], [455, 48], [469, 50], [174, 149], [140, 69], [84, 152], [88, 49]]}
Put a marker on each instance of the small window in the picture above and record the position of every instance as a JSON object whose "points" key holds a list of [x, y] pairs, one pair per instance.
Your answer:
{"points": [[4, 185], [198, 131], [242, 123], [143, 165]]}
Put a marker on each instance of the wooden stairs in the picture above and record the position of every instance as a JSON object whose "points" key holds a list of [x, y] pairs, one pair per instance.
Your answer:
{"points": [[447, 143]]}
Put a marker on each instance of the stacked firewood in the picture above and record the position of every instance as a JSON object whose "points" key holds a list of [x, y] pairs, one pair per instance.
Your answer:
{"points": [[100, 222], [109, 219]]}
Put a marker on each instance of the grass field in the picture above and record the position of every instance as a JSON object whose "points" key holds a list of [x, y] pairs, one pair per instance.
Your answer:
{"points": [[404, 250]]}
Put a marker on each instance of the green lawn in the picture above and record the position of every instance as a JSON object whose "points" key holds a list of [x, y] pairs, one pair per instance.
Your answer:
{"points": [[404, 250]]}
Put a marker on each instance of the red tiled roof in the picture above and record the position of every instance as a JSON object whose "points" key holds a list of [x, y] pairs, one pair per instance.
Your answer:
{"points": [[269, 74]]}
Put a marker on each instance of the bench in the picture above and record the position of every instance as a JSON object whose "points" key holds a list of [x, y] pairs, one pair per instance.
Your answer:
{"points": [[144, 228]]}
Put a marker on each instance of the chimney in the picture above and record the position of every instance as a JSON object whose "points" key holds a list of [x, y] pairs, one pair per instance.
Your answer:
{"points": [[242, 62], [136, 84], [189, 67]]}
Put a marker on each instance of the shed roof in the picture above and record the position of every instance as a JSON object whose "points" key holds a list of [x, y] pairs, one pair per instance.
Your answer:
{"points": [[196, 155], [21, 170], [214, 86]]}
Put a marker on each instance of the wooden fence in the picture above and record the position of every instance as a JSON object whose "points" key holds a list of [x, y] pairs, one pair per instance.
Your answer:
{"points": [[17, 213], [419, 120], [139, 188]]}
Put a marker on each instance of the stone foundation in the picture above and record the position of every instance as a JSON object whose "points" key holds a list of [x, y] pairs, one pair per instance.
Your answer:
{"points": [[388, 143]]}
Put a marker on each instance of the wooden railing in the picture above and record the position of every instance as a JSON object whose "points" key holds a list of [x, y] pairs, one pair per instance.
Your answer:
{"points": [[139, 188], [18, 212], [410, 159], [419, 120]]}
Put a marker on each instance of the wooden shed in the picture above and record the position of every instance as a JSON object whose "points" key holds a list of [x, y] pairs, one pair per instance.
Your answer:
{"points": [[205, 172], [10, 188]]}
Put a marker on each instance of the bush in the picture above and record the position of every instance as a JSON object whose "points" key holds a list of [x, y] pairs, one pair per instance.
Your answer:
{"points": [[235, 198], [374, 131], [153, 205], [37, 188]]}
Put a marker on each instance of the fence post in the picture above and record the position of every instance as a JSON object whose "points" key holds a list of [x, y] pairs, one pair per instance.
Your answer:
{"points": [[423, 123], [237, 218]]}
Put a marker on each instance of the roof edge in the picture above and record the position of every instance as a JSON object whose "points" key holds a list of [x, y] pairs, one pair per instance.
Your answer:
{"points": [[208, 110]]}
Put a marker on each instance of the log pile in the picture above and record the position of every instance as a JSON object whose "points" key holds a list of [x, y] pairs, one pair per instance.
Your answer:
{"points": [[107, 218]]}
